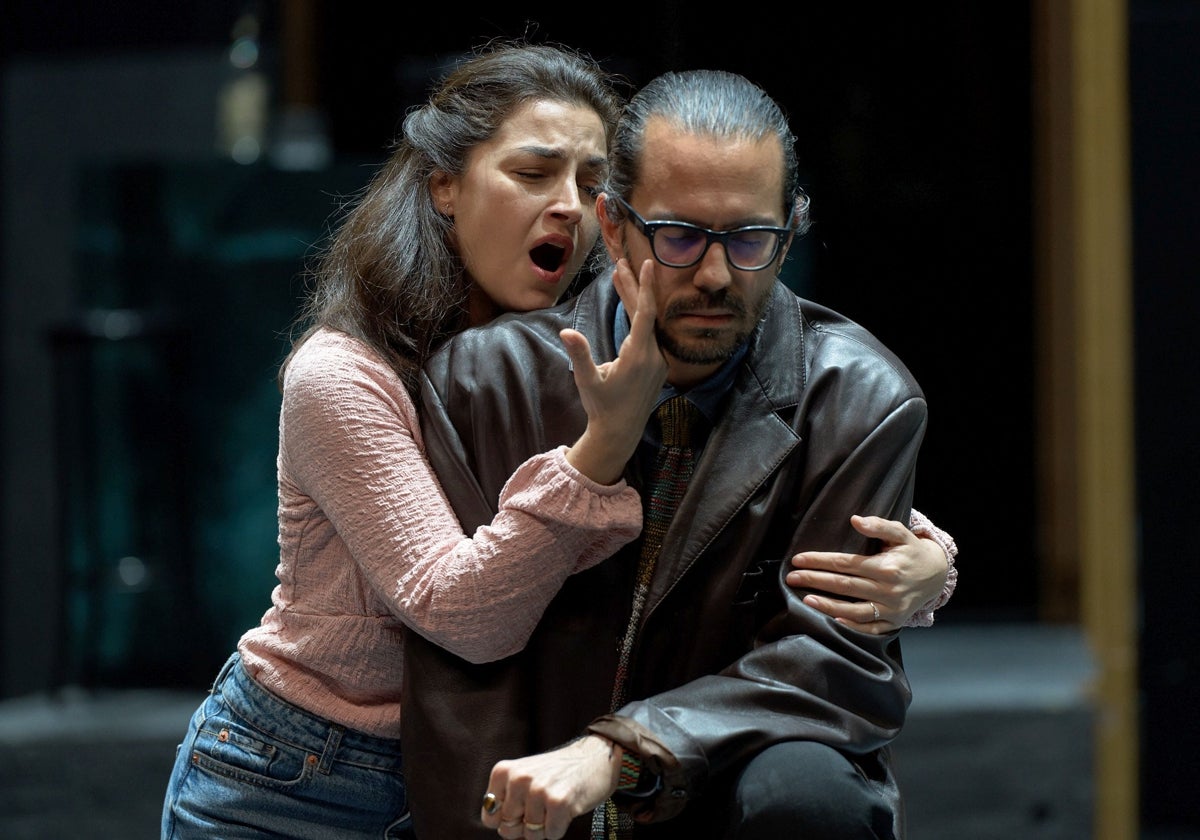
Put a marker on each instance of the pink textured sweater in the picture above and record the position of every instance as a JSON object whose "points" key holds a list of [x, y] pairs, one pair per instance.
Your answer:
{"points": [[369, 546]]}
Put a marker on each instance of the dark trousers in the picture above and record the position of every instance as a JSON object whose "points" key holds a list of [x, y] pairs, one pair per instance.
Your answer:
{"points": [[798, 789]]}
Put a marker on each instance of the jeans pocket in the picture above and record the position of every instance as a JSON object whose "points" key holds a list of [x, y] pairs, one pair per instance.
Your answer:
{"points": [[233, 750]]}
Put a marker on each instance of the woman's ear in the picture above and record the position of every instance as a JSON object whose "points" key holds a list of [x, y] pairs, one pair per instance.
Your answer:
{"points": [[443, 189], [610, 227]]}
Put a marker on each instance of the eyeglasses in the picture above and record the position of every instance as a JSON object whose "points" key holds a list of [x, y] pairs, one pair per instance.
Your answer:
{"points": [[682, 245]]}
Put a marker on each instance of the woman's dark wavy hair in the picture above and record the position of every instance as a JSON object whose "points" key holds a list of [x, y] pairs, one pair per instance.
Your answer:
{"points": [[390, 275]]}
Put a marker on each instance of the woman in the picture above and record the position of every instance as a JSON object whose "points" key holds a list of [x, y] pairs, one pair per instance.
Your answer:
{"points": [[299, 734]]}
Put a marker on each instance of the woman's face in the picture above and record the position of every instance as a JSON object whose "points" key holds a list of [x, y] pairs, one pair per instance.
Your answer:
{"points": [[525, 207]]}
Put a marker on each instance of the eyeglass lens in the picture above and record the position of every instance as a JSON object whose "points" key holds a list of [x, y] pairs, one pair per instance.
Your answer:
{"points": [[683, 246]]}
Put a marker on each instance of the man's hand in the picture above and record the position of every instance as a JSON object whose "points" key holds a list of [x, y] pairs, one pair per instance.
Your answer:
{"points": [[538, 796], [881, 591]]}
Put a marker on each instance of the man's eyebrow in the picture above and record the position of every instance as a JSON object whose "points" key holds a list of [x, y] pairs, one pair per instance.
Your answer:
{"points": [[761, 220]]}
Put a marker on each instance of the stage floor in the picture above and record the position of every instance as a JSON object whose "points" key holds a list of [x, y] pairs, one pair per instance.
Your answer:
{"points": [[998, 745]]}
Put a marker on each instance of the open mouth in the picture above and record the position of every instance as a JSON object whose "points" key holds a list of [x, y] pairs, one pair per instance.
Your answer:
{"points": [[547, 256]]}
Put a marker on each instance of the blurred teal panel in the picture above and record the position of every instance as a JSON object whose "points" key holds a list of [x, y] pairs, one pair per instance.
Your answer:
{"points": [[188, 280]]}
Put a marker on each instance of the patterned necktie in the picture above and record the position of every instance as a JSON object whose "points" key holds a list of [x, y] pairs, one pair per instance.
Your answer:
{"points": [[677, 421]]}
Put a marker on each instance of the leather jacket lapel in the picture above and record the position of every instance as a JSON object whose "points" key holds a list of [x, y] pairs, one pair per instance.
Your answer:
{"points": [[746, 446]]}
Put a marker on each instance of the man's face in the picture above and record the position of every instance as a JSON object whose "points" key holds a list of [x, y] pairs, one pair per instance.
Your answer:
{"points": [[706, 310]]}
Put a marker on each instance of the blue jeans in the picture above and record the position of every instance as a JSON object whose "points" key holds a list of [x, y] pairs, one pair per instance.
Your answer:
{"points": [[254, 766]]}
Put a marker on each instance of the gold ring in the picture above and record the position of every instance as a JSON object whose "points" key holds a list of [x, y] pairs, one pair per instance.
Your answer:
{"points": [[490, 803], [534, 826]]}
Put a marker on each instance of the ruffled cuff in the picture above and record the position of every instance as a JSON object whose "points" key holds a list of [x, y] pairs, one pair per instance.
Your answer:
{"points": [[923, 527]]}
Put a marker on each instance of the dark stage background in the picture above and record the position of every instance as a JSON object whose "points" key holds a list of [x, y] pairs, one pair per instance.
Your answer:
{"points": [[915, 136]]}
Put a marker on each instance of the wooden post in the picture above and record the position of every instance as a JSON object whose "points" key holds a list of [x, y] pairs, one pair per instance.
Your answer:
{"points": [[299, 22], [1086, 450]]}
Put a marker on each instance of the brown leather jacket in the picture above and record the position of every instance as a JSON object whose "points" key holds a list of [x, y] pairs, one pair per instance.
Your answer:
{"points": [[821, 421]]}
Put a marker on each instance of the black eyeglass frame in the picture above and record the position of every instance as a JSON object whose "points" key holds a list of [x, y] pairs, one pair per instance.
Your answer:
{"points": [[649, 228]]}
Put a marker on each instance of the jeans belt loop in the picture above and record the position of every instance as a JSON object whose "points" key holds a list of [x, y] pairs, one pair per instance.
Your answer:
{"points": [[332, 742]]}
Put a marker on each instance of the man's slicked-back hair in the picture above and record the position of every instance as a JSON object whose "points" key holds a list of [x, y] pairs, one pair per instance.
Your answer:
{"points": [[706, 103]]}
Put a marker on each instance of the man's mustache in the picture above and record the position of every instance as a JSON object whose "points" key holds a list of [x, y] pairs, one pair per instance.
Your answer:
{"points": [[720, 299]]}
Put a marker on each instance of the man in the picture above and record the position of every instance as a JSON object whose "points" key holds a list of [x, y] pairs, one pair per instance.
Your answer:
{"points": [[715, 702]]}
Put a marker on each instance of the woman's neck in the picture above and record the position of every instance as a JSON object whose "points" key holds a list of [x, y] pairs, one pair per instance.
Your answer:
{"points": [[480, 308]]}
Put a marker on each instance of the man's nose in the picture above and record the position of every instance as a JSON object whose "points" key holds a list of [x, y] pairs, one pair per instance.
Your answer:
{"points": [[713, 272]]}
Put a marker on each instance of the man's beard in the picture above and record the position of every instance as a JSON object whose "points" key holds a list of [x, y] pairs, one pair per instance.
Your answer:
{"points": [[706, 347], [710, 350]]}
